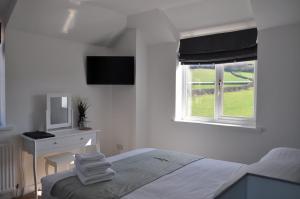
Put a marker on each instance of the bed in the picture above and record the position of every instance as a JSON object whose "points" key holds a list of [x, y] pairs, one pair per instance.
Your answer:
{"points": [[201, 179]]}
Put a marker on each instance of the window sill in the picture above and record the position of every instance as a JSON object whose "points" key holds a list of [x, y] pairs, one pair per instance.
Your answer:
{"points": [[245, 126]]}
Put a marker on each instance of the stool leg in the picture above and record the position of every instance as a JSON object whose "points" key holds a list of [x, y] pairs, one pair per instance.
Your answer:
{"points": [[46, 167], [55, 168]]}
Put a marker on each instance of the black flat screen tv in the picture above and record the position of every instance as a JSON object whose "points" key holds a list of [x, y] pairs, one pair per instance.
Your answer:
{"points": [[110, 70]]}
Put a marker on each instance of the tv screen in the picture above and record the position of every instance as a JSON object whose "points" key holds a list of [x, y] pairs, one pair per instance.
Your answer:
{"points": [[110, 70]]}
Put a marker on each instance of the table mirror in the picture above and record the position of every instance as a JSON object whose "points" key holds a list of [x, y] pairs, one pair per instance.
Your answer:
{"points": [[59, 111]]}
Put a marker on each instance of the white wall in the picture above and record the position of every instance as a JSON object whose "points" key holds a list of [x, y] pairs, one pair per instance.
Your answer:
{"points": [[129, 102], [123, 99], [142, 123], [278, 97], [36, 65]]}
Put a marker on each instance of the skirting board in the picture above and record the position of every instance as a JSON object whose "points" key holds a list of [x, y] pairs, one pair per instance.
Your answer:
{"points": [[8, 195]]}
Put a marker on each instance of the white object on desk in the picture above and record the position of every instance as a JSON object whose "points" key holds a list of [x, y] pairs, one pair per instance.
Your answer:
{"points": [[64, 140]]}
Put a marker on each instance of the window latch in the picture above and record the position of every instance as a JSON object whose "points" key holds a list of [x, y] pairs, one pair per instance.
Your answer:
{"points": [[220, 84]]}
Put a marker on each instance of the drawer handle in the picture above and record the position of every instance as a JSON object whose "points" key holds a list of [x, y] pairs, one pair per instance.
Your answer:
{"points": [[81, 138], [54, 142]]}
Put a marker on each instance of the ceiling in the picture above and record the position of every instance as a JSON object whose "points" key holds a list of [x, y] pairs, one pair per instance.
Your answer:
{"points": [[272, 13], [6, 7], [67, 19], [3, 5], [102, 21], [131, 7], [208, 13]]}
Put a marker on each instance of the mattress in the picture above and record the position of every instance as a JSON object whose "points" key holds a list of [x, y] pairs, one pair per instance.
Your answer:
{"points": [[200, 179]]}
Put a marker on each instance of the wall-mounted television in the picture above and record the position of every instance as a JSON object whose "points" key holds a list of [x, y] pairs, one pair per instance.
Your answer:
{"points": [[110, 70]]}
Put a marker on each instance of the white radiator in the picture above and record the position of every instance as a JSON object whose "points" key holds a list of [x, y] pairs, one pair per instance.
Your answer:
{"points": [[7, 167]]}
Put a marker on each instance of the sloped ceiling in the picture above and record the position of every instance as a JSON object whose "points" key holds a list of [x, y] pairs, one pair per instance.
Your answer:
{"points": [[155, 27], [3, 6], [6, 8], [101, 21], [272, 13], [68, 20], [209, 13], [132, 7]]}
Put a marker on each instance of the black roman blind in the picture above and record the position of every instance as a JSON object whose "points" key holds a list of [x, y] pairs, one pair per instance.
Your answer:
{"points": [[219, 48]]}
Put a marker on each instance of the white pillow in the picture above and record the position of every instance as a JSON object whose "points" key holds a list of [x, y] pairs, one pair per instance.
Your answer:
{"points": [[286, 170], [282, 154], [282, 163]]}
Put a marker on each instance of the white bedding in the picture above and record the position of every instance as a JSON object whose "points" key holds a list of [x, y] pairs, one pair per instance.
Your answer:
{"points": [[200, 179]]}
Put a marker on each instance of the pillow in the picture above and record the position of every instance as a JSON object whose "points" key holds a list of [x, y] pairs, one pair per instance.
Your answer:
{"points": [[285, 170], [282, 163], [282, 155]]}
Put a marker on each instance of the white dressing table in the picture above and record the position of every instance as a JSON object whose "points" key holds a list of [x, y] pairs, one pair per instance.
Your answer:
{"points": [[65, 140]]}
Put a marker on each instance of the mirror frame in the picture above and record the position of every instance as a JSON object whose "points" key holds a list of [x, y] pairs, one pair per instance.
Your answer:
{"points": [[68, 124]]}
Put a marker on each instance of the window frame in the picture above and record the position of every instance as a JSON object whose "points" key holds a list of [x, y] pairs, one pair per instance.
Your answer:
{"points": [[218, 118], [2, 79]]}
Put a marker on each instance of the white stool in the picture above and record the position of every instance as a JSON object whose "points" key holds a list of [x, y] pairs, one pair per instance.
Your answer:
{"points": [[56, 160]]}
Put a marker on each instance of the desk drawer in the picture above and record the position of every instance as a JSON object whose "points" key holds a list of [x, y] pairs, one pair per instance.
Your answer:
{"points": [[57, 144]]}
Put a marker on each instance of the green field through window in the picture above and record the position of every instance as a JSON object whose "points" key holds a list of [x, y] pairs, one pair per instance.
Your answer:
{"points": [[236, 103], [239, 104]]}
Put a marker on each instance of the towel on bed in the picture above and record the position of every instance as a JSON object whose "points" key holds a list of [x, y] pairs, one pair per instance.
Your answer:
{"points": [[89, 157], [94, 168], [107, 175]]}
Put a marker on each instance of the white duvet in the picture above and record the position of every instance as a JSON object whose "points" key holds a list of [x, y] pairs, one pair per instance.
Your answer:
{"points": [[198, 180]]}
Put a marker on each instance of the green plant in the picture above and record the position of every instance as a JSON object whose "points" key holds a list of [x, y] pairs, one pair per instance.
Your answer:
{"points": [[82, 106]]}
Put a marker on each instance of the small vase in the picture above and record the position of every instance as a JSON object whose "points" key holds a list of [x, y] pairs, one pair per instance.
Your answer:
{"points": [[81, 123]]}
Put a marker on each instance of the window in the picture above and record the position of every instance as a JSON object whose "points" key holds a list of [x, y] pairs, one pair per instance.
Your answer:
{"points": [[222, 93], [215, 80], [2, 79]]}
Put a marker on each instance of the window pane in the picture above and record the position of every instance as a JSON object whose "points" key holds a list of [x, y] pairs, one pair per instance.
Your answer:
{"points": [[238, 90], [201, 84]]}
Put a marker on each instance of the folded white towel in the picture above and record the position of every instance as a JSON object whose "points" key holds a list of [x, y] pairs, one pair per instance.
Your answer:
{"points": [[108, 175], [94, 168], [89, 157]]}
